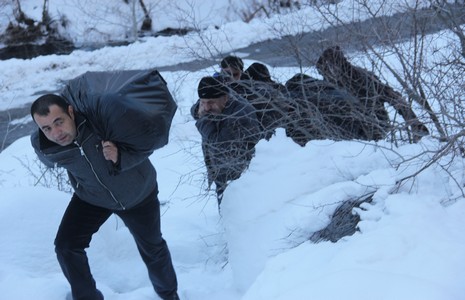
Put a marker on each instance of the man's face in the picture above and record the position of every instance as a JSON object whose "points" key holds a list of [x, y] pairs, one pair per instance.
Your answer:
{"points": [[213, 106], [234, 73], [58, 126]]}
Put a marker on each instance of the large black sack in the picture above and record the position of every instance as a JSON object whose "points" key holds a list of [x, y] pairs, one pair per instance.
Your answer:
{"points": [[132, 108], [321, 110]]}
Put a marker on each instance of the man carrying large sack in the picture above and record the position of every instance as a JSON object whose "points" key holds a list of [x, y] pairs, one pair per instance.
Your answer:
{"points": [[103, 132]]}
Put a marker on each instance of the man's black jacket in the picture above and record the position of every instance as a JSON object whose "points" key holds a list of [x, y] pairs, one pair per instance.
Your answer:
{"points": [[228, 139]]}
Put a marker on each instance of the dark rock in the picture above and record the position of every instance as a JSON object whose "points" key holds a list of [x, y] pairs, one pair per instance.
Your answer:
{"points": [[31, 50], [173, 31], [343, 222]]}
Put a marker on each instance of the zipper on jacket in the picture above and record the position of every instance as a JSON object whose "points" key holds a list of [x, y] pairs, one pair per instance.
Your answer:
{"points": [[96, 176]]}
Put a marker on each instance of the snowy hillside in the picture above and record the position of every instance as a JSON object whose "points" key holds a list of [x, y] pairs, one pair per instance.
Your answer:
{"points": [[410, 243]]}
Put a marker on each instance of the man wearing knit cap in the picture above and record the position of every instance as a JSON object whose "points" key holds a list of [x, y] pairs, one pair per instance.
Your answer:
{"points": [[213, 95], [229, 129]]}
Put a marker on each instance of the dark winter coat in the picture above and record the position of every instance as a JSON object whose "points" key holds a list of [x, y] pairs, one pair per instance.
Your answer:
{"points": [[94, 179], [269, 99], [228, 139]]}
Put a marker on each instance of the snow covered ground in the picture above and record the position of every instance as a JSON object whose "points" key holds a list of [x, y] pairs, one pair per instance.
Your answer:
{"points": [[410, 245]]}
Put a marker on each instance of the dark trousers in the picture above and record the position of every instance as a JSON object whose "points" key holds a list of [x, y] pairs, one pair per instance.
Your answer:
{"points": [[81, 220]]}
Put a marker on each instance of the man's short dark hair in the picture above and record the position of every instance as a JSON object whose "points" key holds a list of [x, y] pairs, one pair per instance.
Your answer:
{"points": [[231, 61], [41, 105]]}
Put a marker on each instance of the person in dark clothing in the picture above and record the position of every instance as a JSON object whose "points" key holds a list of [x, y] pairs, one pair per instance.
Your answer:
{"points": [[259, 72], [233, 67], [269, 98], [320, 110], [107, 179], [229, 129], [371, 92]]}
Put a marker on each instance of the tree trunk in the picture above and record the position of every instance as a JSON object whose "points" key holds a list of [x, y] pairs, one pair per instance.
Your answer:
{"points": [[147, 23]]}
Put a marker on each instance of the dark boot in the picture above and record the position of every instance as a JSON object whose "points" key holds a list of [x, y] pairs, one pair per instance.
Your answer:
{"points": [[172, 297], [99, 296]]}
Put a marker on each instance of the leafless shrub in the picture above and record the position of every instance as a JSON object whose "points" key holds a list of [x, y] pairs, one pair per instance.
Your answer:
{"points": [[403, 53], [420, 92], [251, 9], [7, 131], [56, 178], [132, 17]]}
